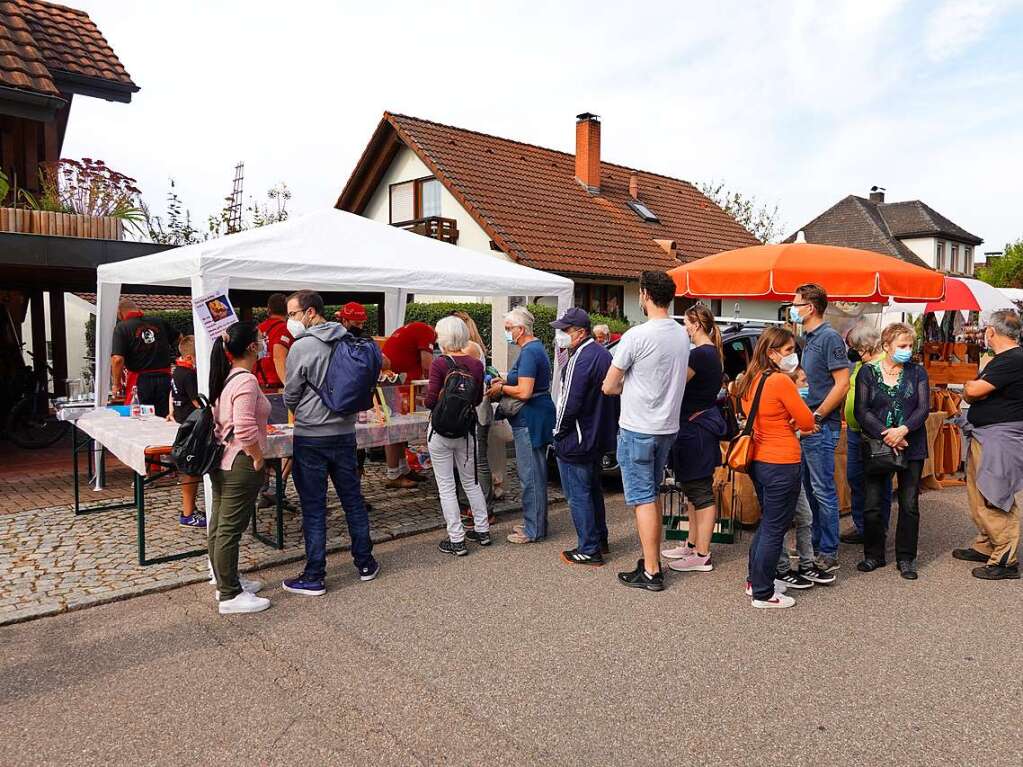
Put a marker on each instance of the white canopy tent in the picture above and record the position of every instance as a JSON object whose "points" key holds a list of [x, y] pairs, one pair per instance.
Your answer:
{"points": [[329, 250]]}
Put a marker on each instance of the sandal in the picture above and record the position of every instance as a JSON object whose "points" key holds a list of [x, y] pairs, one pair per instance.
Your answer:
{"points": [[518, 537], [869, 565]]}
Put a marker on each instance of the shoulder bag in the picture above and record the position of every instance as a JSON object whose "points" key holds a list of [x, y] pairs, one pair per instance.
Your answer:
{"points": [[740, 450], [879, 457]]}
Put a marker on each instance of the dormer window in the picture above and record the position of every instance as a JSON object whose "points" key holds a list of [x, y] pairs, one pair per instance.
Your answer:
{"points": [[643, 211]]}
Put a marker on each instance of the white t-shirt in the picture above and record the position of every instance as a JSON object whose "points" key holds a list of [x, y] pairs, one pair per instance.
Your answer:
{"points": [[654, 356]]}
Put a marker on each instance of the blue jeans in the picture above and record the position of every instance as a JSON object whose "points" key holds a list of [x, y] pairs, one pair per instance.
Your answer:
{"points": [[531, 465], [581, 483], [642, 459], [858, 485], [819, 481], [777, 486], [315, 460]]}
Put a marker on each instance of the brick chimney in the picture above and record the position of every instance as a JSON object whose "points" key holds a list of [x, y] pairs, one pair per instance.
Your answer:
{"points": [[877, 193], [634, 186], [587, 151]]}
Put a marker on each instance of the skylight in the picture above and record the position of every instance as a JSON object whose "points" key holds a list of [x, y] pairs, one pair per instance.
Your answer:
{"points": [[642, 211]]}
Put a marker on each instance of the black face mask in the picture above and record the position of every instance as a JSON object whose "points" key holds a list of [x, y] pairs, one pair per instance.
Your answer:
{"points": [[854, 356]]}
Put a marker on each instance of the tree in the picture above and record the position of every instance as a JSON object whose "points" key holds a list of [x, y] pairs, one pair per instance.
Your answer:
{"points": [[759, 219], [1006, 271]]}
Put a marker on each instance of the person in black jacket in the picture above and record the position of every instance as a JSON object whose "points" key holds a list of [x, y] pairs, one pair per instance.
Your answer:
{"points": [[586, 429], [893, 400]]}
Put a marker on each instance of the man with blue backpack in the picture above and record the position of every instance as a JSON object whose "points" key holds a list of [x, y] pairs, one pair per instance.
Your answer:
{"points": [[330, 378]]}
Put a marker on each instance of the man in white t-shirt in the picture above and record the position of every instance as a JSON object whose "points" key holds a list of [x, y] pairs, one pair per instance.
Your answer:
{"points": [[649, 372]]}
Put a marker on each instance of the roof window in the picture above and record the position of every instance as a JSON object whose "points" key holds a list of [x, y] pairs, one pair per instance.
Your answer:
{"points": [[643, 211]]}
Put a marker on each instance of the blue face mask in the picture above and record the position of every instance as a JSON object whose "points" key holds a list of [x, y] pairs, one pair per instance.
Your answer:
{"points": [[902, 356], [508, 337], [795, 316], [804, 391]]}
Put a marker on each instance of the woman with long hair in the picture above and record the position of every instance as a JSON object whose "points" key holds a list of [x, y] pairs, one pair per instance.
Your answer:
{"points": [[776, 466], [241, 412], [893, 400], [696, 453]]}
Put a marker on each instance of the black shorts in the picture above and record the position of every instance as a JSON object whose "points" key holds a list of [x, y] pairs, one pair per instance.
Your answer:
{"points": [[154, 389], [700, 492]]}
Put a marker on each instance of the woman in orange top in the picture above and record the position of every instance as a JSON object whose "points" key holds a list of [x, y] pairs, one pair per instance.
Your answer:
{"points": [[775, 470]]}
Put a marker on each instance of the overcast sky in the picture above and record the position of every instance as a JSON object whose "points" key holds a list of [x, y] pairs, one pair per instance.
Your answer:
{"points": [[797, 103]]}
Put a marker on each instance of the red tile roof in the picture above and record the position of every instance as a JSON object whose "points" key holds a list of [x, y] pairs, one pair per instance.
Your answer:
{"points": [[147, 302], [528, 200], [40, 40]]}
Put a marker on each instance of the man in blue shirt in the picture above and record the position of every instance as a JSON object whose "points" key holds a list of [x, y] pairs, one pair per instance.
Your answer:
{"points": [[826, 362]]}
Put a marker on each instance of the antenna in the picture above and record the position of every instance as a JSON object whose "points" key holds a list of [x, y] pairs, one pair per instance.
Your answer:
{"points": [[234, 205]]}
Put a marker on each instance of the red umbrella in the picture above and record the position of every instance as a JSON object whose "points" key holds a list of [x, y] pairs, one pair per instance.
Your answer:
{"points": [[773, 272]]}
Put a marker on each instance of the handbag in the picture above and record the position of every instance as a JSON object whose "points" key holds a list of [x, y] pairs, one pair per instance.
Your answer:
{"points": [[740, 450], [509, 407], [880, 458]]}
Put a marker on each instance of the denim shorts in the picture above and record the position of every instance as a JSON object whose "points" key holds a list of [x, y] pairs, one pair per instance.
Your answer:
{"points": [[642, 458]]}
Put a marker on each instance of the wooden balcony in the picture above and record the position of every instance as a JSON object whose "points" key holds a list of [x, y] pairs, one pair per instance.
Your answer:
{"points": [[25, 221], [438, 228]]}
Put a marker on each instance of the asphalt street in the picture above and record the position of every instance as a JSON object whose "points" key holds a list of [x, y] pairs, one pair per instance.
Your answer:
{"points": [[509, 656]]}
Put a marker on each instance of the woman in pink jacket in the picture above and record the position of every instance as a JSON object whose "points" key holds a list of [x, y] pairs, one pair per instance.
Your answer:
{"points": [[241, 413]]}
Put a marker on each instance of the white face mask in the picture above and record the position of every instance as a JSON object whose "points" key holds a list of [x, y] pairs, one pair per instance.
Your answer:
{"points": [[788, 363], [562, 339], [295, 327]]}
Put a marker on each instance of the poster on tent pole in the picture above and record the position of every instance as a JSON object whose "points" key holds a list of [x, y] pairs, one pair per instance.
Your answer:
{"points": [[215, 312]]}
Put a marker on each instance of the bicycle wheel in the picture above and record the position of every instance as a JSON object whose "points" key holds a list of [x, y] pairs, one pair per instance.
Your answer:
{"points": [[31, 427]]}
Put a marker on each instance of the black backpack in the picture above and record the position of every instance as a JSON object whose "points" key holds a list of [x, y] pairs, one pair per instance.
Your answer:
{"points": [[196, 451], [454, 415]]}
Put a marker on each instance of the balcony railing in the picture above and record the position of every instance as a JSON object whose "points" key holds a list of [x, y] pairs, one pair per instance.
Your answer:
{"points": [[25, 221], [438, 228]]}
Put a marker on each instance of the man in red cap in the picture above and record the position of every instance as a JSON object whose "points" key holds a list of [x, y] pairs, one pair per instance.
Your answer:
{"points": [[353, 316]]}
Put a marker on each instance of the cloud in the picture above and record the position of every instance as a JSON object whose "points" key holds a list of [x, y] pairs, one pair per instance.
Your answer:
{"points": [[959, 24]]}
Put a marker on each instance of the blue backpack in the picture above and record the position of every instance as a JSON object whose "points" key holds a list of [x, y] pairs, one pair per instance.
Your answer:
{"points": [[352, 374]]}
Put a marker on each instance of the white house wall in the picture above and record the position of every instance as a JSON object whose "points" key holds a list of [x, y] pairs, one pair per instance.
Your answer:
{"points": [[926, 248]]}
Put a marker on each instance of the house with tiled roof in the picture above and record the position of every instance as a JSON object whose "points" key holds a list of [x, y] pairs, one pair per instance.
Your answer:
{"points": [[910, 230], [576, 215], [49, 55]]}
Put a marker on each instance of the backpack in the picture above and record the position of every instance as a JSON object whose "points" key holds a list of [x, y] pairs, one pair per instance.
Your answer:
{"points": [[196, 450], [352, 374], [454, 415]]}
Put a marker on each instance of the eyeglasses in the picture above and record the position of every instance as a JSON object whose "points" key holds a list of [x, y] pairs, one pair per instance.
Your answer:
{"points": [[798, 306], [291, 315]]}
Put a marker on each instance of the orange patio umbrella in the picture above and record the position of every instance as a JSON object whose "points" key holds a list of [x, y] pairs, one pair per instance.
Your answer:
{"points": [[773, 272]]}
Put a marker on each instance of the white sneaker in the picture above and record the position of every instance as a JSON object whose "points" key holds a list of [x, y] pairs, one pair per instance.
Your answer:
{"points": [[251, 585], [779, 587], [679, 552], [777, 602], [243, 603]]}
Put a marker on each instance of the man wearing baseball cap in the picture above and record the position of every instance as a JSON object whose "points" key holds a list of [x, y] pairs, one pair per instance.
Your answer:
{"points": [[586, 429], [353, 316]]}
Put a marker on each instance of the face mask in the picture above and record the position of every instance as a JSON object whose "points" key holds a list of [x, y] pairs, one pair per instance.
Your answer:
{"points": [[295, 327], [902, 356], [804, 391], [788, 363], [261, 351], [508, 337], [795, 316], [562, 339], [853, 355]]}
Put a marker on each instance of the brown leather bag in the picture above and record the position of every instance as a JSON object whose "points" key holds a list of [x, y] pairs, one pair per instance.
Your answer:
{"points": [[740, 450]]}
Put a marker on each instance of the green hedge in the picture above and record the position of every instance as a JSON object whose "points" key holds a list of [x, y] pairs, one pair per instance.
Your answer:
{"points": [[430, 313]]}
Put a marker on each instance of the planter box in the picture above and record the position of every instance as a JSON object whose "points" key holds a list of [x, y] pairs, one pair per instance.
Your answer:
{"points": [[60, 224]]}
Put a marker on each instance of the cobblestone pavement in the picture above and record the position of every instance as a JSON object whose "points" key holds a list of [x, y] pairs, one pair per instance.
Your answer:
{"points": [[53, 561]]}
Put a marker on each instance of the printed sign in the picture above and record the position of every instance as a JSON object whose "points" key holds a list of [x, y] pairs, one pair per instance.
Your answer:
{"points": [[215, 312]]}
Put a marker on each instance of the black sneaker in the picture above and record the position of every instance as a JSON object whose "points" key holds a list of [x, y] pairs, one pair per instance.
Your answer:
{"points": [[450, 547], [369, 573], [969, 555], [638, 579], [483, 539], [817, 575], [853, 536], [997, 573], [576, 557], [907, 569], [794, 580]]}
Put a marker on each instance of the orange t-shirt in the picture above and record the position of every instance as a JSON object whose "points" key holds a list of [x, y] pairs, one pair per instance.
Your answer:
{"points": [[774, 436]]}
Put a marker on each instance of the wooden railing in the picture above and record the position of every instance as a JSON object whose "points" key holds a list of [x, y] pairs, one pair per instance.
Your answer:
{"points": [[26, 221], [438, 228]]}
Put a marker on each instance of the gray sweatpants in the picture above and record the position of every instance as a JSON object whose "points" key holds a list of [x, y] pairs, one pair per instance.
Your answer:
{"points": [[446, 455], [803, 522]]}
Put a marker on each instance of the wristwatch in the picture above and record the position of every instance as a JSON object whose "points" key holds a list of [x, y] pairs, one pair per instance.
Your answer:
{"points": [[818, 417]]}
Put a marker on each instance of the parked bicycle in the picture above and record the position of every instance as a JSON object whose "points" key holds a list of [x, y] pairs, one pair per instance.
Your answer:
{"points": [[32, 420]]}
